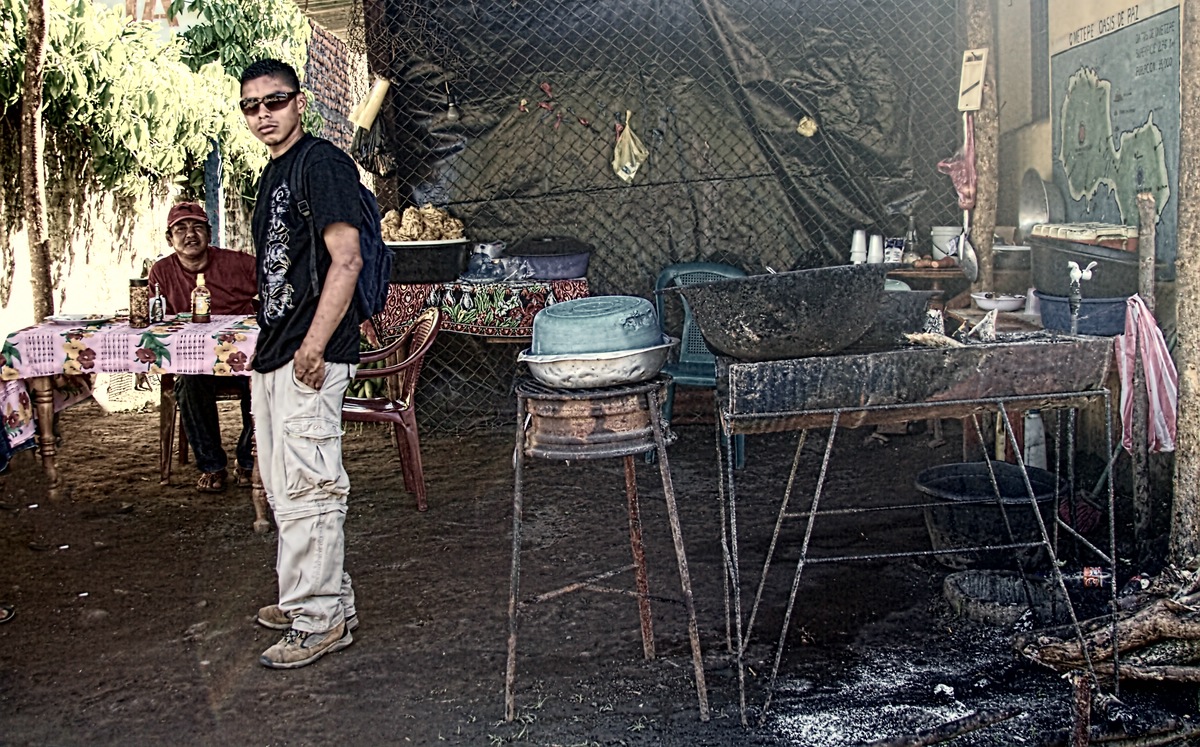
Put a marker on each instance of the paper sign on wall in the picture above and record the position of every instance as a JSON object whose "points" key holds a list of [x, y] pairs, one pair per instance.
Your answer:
{"points": [[970, 87]]}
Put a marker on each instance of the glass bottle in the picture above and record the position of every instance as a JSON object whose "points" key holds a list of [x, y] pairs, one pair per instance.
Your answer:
{"points": [[201, 300], [911, 253], [139, 303], [158, 306]]}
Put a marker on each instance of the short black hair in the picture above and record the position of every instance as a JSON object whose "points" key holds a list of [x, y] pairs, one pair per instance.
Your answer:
{"points": [[273, 68]]}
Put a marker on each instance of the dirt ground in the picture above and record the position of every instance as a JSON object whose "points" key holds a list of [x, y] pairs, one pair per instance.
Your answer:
{"points": [[135, 606]]}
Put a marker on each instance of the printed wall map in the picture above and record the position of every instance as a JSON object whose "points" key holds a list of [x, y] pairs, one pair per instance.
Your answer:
{"points": [[1115, 118]]}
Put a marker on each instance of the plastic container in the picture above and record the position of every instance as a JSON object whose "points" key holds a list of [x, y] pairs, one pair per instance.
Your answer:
{"points": [[553, 257], [1116, 272], [428, 261], [941, 236], [139, 303], [1104, 317], [971, 517], [596, 324]]}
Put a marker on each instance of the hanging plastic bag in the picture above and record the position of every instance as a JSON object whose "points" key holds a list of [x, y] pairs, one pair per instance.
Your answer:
{"points": [[629, 153]]}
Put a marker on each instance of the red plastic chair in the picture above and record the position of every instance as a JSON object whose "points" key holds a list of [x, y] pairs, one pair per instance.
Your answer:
{"points": [[397, 405]]}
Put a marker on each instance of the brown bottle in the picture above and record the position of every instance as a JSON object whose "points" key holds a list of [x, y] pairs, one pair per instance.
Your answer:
{"points": [[201, 300]]}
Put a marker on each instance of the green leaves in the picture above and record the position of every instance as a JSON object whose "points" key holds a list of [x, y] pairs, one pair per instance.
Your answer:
{"points": [[133, 113]]}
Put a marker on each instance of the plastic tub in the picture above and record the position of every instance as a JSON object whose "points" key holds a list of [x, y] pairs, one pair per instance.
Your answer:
{"points": [[552, 257], [428, 261], [971, 517], [1104, 317], [596, 324]]}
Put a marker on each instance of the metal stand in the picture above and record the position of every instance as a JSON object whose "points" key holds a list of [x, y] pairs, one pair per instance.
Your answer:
{"points": [[564, 427], [805, 419]]}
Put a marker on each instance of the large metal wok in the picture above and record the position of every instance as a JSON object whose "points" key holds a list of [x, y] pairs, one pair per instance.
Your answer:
{"points": [[788, 314]]}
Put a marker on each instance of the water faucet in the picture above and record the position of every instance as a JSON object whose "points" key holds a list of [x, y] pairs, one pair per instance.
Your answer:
{"points": [[1075, 296]]}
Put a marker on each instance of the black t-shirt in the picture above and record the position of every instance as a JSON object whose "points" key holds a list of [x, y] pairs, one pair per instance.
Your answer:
{"points": [[284, 252]]}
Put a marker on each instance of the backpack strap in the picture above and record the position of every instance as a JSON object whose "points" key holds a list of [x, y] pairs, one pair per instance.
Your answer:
{"points": [[296, 187]]}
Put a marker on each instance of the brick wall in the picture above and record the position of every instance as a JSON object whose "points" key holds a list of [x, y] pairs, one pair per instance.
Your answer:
{"points": [[338, 79]]}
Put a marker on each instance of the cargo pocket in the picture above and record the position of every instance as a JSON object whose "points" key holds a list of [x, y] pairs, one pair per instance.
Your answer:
{"points": [[313, 458]]}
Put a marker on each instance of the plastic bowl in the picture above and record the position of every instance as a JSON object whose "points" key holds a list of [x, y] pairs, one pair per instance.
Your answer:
{"points": [[596, 324], [1001, 301]]}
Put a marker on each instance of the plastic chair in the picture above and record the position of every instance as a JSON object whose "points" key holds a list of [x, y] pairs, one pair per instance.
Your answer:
{"points": [[397, 405], [696, 365], [169, 425]]}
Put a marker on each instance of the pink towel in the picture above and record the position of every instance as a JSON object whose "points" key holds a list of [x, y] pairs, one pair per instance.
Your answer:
{"points": [[1142, 337]]}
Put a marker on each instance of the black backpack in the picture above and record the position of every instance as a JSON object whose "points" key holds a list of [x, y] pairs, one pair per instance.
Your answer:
{"points": [[370, 295]]}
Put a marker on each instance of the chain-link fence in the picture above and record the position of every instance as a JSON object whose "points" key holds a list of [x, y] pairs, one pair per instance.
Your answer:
{"points": [[774, 128]]}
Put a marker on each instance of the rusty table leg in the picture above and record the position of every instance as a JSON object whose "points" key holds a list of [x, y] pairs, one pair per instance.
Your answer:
{"points": [[510, 669], [167, 406], [639, 559], [43, 404], [685, 580]]}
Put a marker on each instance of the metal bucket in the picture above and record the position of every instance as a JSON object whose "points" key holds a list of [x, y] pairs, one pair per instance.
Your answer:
{"points": [[587, 424]]}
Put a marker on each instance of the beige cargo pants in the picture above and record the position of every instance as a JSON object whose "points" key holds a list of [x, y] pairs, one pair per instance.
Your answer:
{"points": [[298, 431]]}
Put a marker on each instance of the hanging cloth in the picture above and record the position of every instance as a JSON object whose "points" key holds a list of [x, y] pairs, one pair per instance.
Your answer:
{"points": [[1143, 338]]}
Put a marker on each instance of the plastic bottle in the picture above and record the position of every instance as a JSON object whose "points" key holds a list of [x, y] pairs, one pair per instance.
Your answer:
{"points": [[201, 300], [1035, 440]]}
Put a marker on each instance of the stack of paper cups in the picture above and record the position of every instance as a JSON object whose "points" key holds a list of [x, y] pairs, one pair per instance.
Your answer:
{"points": [[858, 248], [875, 250]]}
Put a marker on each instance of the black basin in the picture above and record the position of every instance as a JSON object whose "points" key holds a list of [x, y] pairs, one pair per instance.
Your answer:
{"points": [[899, 312], [788, 314]]}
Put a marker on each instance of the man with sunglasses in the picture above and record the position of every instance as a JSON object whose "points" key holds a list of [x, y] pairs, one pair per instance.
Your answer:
{"points": [[306, 355], [229, 276]]}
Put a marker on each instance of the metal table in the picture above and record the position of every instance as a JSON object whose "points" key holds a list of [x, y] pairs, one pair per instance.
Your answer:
{"points": [[868, 389]]}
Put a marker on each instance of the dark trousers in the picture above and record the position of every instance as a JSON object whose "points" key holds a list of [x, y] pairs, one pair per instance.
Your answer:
{"points": [[197, 400]]}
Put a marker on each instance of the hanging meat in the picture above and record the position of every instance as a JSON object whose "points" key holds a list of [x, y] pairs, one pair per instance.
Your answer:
{"points": [[961, 166]]}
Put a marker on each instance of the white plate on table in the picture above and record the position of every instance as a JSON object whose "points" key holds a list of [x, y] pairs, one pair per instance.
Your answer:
{"points": [[68, 319]]}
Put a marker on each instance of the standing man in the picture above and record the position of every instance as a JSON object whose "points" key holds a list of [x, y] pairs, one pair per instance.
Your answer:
{"points": [[229, 276], [306, 355]]}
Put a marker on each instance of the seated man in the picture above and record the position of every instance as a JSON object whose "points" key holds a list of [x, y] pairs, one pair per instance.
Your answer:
{"points": [[230, 278]]}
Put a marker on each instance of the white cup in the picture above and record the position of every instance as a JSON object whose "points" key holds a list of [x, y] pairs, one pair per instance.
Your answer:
{"points": [[858, 247], [875, 250]]}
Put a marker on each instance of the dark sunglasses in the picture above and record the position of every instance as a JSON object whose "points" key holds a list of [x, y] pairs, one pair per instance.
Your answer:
{"points": [[273, 101]]}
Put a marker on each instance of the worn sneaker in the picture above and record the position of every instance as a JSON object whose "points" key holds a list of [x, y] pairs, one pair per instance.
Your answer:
{"points": [[272, 616], [298, 649]]}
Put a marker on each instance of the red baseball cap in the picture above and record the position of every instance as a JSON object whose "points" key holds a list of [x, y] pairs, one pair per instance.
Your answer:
{"points": [[186, 211]]}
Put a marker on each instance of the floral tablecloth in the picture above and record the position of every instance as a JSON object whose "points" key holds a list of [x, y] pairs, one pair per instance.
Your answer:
{"points": [[223, 347], [500, 309]]}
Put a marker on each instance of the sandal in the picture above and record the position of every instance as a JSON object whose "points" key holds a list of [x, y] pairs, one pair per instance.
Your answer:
{"points": [[7, 612], [212, 482], [243, 477]]}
